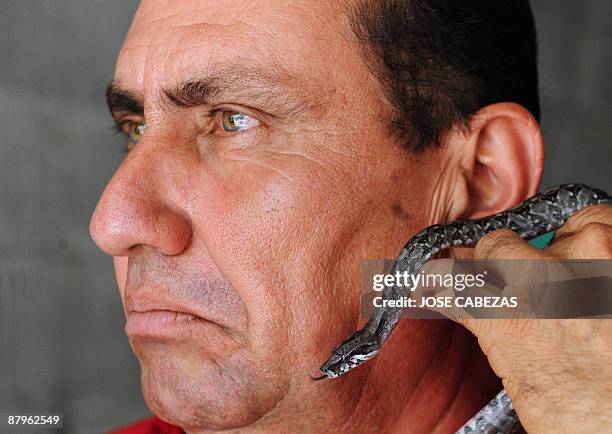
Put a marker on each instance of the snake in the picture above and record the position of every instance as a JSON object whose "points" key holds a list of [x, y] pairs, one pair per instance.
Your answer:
{"points": [[536, 216]]}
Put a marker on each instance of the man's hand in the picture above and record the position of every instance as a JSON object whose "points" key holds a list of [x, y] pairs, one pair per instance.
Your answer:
{"points": [[558, 373]]}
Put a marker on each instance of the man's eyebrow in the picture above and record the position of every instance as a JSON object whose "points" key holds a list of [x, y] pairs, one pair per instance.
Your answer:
{"points": [[274, 91], [123, 101]]}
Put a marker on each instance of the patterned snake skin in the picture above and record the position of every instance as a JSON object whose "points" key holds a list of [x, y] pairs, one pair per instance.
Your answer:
{"points": [[536, 216]]}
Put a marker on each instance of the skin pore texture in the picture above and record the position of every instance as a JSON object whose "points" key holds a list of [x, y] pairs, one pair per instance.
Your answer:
{"points": [[255, 237]]}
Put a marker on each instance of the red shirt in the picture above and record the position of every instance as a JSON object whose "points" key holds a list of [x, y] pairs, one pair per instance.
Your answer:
{"points": [[151, 425]]}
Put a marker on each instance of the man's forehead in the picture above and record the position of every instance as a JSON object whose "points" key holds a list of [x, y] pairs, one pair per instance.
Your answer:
{"points": [[228, 12], [170, 41]]}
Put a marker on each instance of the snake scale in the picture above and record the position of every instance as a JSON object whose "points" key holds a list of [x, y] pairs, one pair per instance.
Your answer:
{"points": [[536, 216]]}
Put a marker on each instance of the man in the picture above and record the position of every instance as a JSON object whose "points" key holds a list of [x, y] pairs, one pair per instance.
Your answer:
{"points": [[273, 146]]}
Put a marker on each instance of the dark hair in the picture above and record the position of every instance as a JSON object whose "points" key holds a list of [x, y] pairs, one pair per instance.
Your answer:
{"points": [[439, 61]]}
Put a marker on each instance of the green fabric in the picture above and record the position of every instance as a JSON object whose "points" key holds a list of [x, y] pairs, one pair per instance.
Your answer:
{"points": [[542, 241]]}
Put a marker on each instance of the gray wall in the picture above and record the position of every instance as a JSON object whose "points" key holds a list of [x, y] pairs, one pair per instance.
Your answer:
{"points": [[62, 346]]}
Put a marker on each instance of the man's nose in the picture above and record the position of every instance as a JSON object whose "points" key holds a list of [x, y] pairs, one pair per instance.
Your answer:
{"points": [[133, 212]]}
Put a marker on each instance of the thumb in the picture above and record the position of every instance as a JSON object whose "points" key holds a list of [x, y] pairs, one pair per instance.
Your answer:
{"points": [[506, 244]]}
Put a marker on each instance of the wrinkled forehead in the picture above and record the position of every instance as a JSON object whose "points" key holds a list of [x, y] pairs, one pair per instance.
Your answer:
{"points": [[170, 41]]}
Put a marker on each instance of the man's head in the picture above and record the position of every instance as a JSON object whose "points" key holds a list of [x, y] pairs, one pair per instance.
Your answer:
{"points": [[267, 166]]}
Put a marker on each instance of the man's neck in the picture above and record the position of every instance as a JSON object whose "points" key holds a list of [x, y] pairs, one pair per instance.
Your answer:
{"points": [[437, 396]]}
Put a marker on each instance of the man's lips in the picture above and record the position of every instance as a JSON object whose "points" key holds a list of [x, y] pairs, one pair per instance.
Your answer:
{"points": [[158, 319], [145, 303], [159, 323]]}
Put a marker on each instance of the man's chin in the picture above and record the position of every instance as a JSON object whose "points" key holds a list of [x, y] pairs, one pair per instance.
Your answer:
{"points": [[197, 393]]}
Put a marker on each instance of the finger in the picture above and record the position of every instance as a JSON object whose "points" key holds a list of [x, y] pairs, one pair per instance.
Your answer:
{"points": [[592, 214], [506, 244], [459, 300], [592, 241], [500, 244]]}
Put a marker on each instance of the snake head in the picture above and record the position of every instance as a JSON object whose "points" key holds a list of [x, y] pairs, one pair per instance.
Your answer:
{"points": [[355, 350]]}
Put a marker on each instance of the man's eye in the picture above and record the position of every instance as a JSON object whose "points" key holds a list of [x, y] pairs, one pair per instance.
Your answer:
{"points": [[232, 121], [134, 131]]}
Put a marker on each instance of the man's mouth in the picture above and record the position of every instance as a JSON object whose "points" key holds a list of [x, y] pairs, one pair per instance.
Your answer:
{"points": [[159, 324], [159, 320]]}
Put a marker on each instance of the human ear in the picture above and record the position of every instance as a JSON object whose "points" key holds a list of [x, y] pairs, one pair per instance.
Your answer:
{"points": [[502, 160]]}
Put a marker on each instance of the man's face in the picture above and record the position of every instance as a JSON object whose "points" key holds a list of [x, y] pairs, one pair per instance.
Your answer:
{"points": [[239, 219]]}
